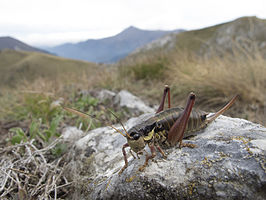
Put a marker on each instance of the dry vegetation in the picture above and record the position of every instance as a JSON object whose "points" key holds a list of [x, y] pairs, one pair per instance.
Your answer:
{"points": [[28, 173], [215, 80]]}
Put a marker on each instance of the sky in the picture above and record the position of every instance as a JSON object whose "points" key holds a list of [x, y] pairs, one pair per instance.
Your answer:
{"points": [[53, 22]]}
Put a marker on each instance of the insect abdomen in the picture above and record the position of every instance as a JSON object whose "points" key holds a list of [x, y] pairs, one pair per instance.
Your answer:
{"points": [[167, 118]]}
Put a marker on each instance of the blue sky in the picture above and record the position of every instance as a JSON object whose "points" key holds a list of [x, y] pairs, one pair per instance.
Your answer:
{"points": [[52, 22]]}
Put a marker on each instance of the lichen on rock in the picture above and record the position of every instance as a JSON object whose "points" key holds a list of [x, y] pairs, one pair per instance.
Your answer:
{"points": [[228, 163]]}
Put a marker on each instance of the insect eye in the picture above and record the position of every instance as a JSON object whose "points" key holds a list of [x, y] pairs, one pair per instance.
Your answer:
{"points": [[136, 136]]}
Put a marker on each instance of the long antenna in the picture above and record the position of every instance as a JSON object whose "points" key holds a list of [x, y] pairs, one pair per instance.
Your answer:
{"points": [[119, 122], [86, 115]]}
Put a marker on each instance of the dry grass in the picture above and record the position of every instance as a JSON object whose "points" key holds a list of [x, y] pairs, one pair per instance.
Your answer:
{"points": [[19, 66], [215, 79], [28, 173], [63, 85]]}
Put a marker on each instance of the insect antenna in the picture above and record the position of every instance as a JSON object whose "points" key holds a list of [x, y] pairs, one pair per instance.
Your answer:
{"points": [[86, 115], [119, 122]]}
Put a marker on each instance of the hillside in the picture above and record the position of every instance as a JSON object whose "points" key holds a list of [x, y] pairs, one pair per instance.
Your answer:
{"points": [[246, 33], [18, 66], [109, 49], [215, 62], [14, 44]]}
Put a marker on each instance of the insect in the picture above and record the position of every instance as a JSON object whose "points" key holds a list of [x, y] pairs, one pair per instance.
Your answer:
{"points": [[168, 127], [165, 129]]}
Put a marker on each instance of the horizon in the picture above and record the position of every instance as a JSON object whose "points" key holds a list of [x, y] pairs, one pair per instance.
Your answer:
{"points": [[79, 20], [75, 42], [9, 36]]}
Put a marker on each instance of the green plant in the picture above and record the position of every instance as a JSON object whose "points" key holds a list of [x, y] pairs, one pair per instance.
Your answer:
{"points": [[36, 130], [149, 70], [51, 131], [19, 136], [84, 102], [59, 149]]}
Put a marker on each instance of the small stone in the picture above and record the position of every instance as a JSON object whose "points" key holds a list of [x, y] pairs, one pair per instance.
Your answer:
{"points": [[104, 95], [125, 98], [71, 134]]}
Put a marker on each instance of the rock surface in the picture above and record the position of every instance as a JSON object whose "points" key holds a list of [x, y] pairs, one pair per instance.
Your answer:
{"points": [[105, 95], [125, 98], [228, 163]]}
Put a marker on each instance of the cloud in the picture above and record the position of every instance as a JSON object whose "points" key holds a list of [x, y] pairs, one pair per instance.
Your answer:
{"points": [[49, 22]]}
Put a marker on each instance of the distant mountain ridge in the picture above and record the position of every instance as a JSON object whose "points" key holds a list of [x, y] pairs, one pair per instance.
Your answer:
{"points": [[110, 49], [246, 33], [14, 44]]}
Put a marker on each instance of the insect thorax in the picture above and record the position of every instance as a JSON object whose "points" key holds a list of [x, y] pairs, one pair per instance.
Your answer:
{"points": [[157, 137]]}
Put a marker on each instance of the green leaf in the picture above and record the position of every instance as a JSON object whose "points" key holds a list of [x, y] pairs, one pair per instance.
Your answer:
{"points": [[59, 149], [41, 136], [48, 135], [16, 139], [92, 101], [54, 124], [34, 128]]}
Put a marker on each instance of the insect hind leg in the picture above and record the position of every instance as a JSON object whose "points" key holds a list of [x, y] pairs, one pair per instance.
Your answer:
{"points": [[165, 92], [176, 132]]}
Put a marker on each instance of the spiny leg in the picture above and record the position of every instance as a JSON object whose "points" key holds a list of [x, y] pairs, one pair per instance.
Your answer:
{"points": [[166, 90], [176, 132], [140, 153], [133, 154], [148, 157], [125, 158], [161, 151]]}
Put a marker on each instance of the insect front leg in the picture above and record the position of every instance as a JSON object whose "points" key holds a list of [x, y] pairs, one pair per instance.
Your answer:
{"points": [[148, 157], [133, 154], [125, 158]]}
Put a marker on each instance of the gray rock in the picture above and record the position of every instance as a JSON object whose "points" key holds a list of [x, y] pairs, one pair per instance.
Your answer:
{"points": [[125, 98], [71, 134], [104, 95], [228, 163]]}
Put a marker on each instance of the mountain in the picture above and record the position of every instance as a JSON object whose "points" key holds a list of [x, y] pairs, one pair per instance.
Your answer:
{"points": [[14, 44], [245, 34], [111, 49], [18, 66]]}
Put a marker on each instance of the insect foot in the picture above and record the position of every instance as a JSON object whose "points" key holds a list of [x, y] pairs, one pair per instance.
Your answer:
{"points": [[187, 145], [121, 170], [141, 169]]}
